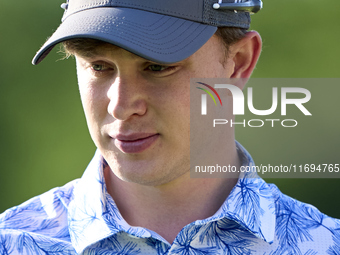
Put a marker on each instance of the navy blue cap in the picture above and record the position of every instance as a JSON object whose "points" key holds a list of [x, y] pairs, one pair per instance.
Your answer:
{"points": [[164, 31]]}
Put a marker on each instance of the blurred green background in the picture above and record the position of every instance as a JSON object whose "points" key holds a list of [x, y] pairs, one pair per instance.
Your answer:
{"points": [[44, 141]]}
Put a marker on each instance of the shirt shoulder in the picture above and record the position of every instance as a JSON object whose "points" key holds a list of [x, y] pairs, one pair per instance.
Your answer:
{"points": [[41, 221], [300, 226]]}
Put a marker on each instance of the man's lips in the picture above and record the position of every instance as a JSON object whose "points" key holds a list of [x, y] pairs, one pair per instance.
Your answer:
{"points": [[134, 143]]}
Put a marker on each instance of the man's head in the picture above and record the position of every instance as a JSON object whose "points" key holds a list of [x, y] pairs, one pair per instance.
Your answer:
{"points": [[134, 65]]}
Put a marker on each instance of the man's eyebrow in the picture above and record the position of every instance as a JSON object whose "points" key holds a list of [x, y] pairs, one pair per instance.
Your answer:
{"points": [[86, 54], [89, 55]]}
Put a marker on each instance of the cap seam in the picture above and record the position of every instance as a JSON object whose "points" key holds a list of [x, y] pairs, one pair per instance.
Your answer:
{"points": [[127, 29]]}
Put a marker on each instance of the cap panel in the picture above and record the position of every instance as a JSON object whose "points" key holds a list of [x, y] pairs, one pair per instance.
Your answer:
{"points": [[180, 29]]}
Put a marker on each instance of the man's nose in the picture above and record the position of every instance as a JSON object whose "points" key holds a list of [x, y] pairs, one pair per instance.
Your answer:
{"points": [[127, 98]]}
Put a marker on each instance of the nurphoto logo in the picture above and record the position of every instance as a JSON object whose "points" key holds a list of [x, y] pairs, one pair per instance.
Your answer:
{"points": [[303, 96]]}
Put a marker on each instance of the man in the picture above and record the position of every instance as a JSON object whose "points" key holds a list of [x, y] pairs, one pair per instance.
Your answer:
{"points": [[135, 60]]}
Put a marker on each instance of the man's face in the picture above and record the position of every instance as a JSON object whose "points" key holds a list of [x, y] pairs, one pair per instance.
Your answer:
{"points": [[138, 111]]}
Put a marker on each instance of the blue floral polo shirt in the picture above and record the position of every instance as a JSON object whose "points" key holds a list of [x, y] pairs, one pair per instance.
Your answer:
{"points": [[82, 218]]}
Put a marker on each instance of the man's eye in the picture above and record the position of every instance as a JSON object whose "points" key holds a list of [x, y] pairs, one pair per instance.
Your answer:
{"points": [[97, 67], [100, 67], [157, 68]]}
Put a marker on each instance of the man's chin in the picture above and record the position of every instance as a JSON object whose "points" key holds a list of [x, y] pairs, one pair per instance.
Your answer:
{"points": [[147, 171], [149, 176]]}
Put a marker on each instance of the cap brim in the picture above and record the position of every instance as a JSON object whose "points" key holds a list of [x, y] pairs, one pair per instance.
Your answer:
{"points": [[156, 37]]}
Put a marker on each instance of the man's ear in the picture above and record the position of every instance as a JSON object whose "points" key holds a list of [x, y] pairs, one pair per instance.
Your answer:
{"points": [[245, 54]]}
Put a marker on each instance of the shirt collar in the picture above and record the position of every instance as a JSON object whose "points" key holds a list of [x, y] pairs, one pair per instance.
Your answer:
{"points": [[86, 224], [93, 215]]}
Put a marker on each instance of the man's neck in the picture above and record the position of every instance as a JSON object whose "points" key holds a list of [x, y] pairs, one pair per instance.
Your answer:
{"points": [[166, 209]]}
